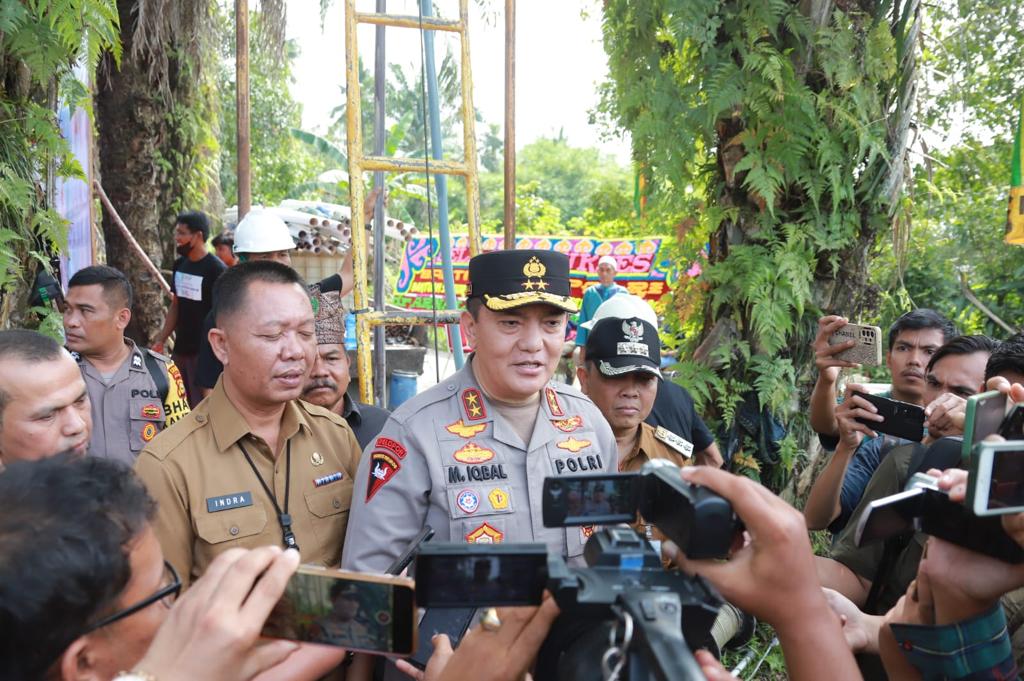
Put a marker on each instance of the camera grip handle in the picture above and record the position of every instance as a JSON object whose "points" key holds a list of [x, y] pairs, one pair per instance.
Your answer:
{"points": [[657, 622]]}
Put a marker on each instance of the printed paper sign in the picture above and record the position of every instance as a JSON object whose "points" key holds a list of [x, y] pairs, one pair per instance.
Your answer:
{"points": [[189, 286]]}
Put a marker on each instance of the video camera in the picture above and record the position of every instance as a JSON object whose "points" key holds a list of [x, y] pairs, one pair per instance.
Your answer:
{"points": [[623, 611]]}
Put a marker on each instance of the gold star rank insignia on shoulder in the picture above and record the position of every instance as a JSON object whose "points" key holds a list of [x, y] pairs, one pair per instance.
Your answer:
{"points": [[674, 441]]}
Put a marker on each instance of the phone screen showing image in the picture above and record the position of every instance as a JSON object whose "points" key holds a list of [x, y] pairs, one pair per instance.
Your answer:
{"points": [[353, 614], [1006, 488]]}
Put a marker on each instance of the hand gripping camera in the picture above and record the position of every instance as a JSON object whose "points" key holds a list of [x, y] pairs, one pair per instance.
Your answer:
{"points": [[623, 614]]}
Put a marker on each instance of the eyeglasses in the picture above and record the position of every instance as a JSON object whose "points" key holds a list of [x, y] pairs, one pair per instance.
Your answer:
{"points": [[166, 594]]}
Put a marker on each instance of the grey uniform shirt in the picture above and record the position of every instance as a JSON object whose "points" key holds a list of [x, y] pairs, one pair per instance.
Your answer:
{"points": [[127, 409], [447, 458]]}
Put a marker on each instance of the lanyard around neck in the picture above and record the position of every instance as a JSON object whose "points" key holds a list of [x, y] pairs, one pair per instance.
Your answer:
{"points": [[283, 519]]}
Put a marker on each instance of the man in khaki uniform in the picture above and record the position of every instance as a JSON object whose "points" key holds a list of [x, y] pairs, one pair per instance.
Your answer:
{"points": [[252, 465], [469, 456], [135, 392]]}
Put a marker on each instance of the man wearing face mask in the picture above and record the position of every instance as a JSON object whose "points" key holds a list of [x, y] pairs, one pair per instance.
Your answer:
{"points": [[195, 272]]}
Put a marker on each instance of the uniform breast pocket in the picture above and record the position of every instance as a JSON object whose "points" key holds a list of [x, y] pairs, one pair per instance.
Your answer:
{"points": [[241, 527], [147, 418], [328, 510]]}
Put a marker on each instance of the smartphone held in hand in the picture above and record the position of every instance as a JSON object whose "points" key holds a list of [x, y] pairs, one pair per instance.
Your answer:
{"points": [[351, 610]]}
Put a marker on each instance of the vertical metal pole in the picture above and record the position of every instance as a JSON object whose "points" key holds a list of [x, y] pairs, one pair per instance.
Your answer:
{"points": [[469, 134], [242, 106], [379, 78], [441, 183], [510, 123], [353, 115]]}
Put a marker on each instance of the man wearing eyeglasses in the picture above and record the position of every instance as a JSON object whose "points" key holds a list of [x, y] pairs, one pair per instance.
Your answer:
{"points": [[85, 592]]}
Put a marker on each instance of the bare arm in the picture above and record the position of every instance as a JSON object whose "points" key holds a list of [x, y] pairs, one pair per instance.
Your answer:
{"points": [[823, 398], [170, 321], [710, 456], [836, 576], [823, 505]]}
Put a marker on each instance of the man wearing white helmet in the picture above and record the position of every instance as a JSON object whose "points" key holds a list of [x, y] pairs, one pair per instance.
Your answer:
{"points": [[673, 408], [263, 235], [594, 296]]}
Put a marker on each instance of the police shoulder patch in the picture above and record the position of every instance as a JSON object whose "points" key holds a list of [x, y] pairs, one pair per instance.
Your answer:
{"points": [[383, 467], [674, 441], [554, 406], [473, 404]]}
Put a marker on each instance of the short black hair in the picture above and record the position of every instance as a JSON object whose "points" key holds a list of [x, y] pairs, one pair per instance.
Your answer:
{"points": [[196, 221], [28, 346], [1007, 358], [922, 318], [473, 306], [230, 288], [964, 345], [111, 279], [223, 239], [66, 535]]}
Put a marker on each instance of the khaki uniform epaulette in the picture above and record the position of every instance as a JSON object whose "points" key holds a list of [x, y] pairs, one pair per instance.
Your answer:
{"points": [[169, 439], [318, 411]]}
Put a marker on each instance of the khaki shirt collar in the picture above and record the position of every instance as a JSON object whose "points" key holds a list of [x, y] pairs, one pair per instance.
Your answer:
{"points": [[229, 426], [645, 444]]}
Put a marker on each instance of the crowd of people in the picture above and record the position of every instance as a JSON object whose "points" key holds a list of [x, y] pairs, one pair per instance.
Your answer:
{"points": [[155, 506]]}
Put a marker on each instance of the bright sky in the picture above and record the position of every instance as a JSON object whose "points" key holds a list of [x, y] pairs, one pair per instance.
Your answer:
{"points": [[559, 63]]}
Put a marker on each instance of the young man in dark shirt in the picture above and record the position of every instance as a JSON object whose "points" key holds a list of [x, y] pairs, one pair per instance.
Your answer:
{"points": [[195, 272]]}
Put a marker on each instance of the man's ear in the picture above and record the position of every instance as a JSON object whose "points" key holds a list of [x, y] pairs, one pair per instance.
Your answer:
{"points": [[123, 317], [76, 663], [582, 375], [469, 326], [219, 344]]}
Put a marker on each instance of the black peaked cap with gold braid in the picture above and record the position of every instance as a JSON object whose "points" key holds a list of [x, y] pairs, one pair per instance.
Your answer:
{"points": [[509, 279]]}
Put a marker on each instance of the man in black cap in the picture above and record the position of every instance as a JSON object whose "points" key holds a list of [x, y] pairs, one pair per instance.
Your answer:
{"points": [[469, 456]]}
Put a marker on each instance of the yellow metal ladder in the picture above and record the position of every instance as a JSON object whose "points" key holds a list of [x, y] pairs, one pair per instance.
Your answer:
{"points": [[366, 318]]}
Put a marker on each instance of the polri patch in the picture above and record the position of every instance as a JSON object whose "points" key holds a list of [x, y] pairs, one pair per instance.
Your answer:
{"points": [[473, 403], [328, 479], [148, 432], [468, 501], [383, 467], [151, 411], [498, 498], [179, 383], [392, 446], [236, 500], [553, 404]]}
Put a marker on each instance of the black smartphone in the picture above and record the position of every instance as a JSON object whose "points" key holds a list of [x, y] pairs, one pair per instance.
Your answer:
{"points": [[403, 560], [901, 419], [453, 622], [1012, 427], [590, 500], [353, 610], [478, 576]]}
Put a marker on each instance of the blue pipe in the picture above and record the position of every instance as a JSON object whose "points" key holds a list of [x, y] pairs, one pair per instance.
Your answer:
{"points": [[441, 184]]}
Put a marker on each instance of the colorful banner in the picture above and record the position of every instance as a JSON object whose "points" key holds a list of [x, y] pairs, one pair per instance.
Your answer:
{"points": [[643, 268]]}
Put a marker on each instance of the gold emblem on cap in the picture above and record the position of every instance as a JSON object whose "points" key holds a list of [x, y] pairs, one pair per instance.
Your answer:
{"points": [[534, 268], [317, 459]]}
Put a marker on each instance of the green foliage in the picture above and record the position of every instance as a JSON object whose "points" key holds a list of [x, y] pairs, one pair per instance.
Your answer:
{"points": [[41, 40], [282, 164], [769, 136]]}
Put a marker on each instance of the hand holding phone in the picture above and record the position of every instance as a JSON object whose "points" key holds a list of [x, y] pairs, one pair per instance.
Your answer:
{"points": [[995, 484], [866, 348], [856, 416], [899, 419]]}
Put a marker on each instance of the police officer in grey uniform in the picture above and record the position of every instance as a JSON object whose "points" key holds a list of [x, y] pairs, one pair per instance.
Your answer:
{"points": [[469, 456], [135, 392]]}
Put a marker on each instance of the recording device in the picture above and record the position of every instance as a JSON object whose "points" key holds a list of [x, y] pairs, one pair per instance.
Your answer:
{"points": [[656, 616], [901, 419], [995, 484], [868, 348], [923, 507], [46, 289], [701, 523], [352, 610], [984, 415]]}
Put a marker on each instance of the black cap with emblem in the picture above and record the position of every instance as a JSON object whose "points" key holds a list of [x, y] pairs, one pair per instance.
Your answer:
{"points": [[507, 279], [623, 346]]}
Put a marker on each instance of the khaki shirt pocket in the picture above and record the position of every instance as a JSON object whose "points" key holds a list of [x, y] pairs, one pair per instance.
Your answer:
{"points": [[147, 419], [242, 526], [329, 510]]}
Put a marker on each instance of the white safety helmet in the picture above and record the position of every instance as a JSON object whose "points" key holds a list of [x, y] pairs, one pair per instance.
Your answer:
{"points": [[261, 231], [624, 306]]}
